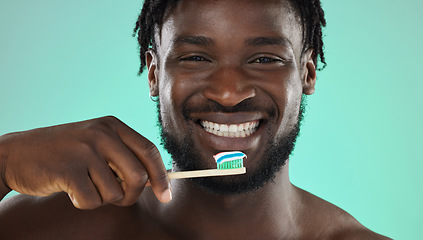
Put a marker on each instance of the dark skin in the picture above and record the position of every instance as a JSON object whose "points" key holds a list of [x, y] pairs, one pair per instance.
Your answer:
{"points": [[232, 65]]}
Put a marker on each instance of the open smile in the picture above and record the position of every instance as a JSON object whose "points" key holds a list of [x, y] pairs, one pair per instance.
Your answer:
{"points": [[220, 131], [241, 130]]}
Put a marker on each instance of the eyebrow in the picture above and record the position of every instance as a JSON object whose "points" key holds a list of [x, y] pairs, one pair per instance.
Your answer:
{"points": [[194, 40], [254, 41], [265, 41]]}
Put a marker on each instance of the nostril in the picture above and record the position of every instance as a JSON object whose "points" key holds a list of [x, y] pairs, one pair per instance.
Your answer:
{"points": [[229, 95]]}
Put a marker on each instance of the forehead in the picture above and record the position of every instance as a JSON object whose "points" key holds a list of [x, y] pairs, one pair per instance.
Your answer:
{"points": [[229, 20]]}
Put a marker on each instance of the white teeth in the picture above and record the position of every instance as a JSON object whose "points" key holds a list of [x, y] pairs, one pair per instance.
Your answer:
{"points": [[232, 130], [224, 128], [243, 134]]}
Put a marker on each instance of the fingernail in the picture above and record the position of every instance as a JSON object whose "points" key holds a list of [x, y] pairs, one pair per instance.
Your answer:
{"points": [[75, 203], [70, 196], [166, 196]]}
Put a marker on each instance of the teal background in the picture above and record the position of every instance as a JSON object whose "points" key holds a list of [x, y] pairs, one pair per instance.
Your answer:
{"points": [[361, 142]]}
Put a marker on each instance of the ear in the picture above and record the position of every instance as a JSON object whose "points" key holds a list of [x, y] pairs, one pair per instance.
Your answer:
{"points": [[308, 72], [152, 76]]}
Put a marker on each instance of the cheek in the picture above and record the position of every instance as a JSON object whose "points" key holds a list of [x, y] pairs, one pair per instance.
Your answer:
{"points": [[285, 89], [179, 86], [166, 101], [289, 103], [174, 92]]}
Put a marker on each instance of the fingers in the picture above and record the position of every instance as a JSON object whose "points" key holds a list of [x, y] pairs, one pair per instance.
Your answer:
{"points": [[105, 181], [118, 179], [83, 159], [151, 159], [84, 194], [131, 173], [113, 166], [149, 156], [135, 161]]}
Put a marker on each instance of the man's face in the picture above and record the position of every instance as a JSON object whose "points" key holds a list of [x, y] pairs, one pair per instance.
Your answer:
{"points": [[230, 78]]}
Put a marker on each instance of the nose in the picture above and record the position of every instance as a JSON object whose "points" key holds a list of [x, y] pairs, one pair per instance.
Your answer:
{"points": [[229, 86]]}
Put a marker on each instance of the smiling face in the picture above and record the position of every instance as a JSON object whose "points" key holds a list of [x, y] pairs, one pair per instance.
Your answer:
{"points": [[230, 76]]}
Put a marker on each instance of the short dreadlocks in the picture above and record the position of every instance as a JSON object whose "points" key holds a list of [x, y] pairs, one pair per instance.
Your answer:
{"points": [[310, 13]]}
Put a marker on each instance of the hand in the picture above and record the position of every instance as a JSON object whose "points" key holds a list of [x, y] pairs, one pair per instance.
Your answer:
{"points": [[84, 159]]}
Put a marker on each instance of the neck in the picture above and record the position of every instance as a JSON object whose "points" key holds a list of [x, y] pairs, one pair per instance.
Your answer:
{"points": [[264, 213]]}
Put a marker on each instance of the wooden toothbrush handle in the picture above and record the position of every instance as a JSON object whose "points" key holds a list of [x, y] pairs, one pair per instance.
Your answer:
{"points": [[206, 173]]}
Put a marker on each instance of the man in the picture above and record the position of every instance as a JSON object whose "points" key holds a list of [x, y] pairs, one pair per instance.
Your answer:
{"points": [[210, 63]]}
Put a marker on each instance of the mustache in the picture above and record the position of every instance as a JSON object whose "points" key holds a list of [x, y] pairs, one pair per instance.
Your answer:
{"points": [[247, 105]]}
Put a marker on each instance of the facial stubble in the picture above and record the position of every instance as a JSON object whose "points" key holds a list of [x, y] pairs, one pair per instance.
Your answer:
{"points": [[185, 158]]}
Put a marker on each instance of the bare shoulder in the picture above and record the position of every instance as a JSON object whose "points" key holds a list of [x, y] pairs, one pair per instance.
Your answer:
{"points": [[44, 218], [54, 217], [328, 221], [357, 234]]}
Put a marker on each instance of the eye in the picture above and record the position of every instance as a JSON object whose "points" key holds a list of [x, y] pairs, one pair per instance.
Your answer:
{"points": [[265, 60], [194, 59]]}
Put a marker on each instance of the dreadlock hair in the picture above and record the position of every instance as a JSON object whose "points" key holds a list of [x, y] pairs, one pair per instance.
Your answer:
{"points": [[153, 12]]}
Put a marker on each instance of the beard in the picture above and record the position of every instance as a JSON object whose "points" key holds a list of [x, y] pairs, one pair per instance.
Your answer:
{"points": [[276, 155]]}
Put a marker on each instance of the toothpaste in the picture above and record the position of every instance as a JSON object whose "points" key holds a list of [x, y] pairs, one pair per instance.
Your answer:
{"points": [[228, 156]]}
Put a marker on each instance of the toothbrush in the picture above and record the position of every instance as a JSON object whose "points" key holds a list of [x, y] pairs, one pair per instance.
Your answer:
{"points": [[228, 163]]}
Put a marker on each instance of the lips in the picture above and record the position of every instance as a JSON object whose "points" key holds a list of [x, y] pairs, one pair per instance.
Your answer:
{"points": [[228, 131], [241, 130]]}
